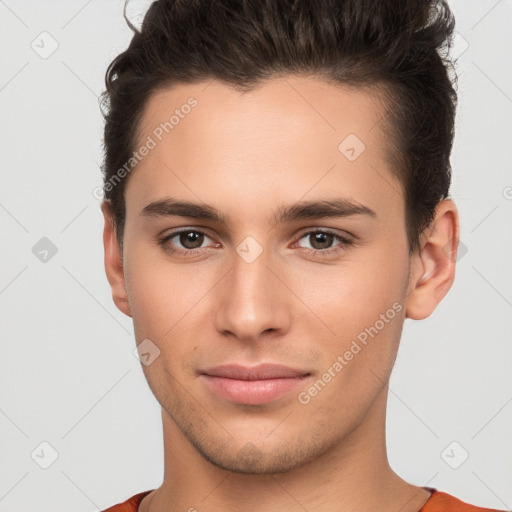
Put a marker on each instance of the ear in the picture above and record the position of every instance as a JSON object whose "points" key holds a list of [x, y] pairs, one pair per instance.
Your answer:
{"points": [[433, 265], [114, 261]]}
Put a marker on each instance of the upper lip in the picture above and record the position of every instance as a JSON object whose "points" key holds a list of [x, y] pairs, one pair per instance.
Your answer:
{"points": [[259, 372]]}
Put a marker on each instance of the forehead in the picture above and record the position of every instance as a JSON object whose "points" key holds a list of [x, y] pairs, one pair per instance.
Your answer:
{"points": [[290, 106], [289, 137]]}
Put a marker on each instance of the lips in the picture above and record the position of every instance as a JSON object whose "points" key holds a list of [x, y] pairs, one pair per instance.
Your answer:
{"points": [[252, 385], [260, 372]]}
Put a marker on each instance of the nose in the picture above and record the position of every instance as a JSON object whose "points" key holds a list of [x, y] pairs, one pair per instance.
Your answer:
{"points": [[252, 301]]}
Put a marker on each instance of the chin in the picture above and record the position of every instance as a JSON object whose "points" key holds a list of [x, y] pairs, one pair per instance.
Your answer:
{"points": [[249, 459]]}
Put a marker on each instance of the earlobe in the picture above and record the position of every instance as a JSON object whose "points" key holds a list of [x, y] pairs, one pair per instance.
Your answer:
{"points": [[114, 262], [433, 266]]}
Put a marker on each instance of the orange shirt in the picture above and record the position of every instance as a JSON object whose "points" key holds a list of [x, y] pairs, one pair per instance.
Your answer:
{"points": [[438, 502]]}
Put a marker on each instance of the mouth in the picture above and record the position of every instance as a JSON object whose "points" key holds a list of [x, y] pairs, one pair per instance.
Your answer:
{"points": [[252, 385]]}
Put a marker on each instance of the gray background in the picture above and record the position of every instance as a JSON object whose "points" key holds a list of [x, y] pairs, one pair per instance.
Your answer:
{"points": [[68, 374]]}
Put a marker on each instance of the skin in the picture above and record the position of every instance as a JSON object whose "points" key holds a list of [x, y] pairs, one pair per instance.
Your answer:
{"points": [[246, 155]]}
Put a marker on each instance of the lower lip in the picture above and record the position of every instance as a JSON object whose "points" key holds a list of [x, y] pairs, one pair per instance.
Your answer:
{"points": [[252, 392]]}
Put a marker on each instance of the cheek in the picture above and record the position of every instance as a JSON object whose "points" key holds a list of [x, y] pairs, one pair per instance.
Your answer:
{"points": [[162, 294], [353, 295], [165, 305], [365, 314], [361, 303]]}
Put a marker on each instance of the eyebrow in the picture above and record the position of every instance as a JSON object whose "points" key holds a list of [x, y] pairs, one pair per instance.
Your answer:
{"points": [[318, 209]]}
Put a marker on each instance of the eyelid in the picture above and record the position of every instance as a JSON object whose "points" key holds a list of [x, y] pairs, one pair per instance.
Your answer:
{"points": [[345, 239], [163, 239], [330, 231], [304, 231], [176, 231]]}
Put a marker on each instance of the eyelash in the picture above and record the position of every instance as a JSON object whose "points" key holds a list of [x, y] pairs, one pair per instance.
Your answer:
{"points": [[344, 243]]}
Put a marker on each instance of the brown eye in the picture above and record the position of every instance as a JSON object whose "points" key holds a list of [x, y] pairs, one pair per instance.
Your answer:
{"points": [[185, 242], [322, 241], [191, 239]]}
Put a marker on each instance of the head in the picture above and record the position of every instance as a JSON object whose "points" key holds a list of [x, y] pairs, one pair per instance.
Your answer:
{"points": [[270, 116]]}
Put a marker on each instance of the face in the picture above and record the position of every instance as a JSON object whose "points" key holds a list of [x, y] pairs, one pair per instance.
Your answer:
{"points": [[260, 276]]}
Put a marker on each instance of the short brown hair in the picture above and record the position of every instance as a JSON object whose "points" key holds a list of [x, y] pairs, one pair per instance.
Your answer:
{"points": [[397, 47]]}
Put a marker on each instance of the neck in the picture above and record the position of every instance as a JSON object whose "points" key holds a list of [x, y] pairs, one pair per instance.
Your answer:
{"points": [[354, 474]]}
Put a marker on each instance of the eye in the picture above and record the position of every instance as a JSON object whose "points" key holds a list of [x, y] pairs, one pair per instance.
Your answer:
{"points": [[189, 239], [322, 240], [188, 242]]}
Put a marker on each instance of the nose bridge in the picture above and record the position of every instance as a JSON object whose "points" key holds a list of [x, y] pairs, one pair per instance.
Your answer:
{"points": [[251, 299]]}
